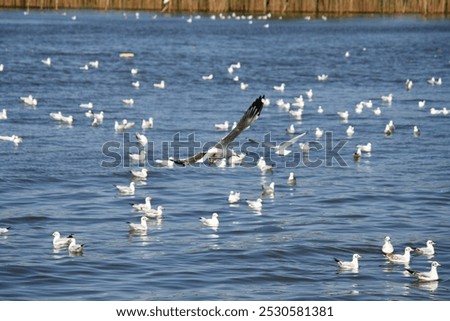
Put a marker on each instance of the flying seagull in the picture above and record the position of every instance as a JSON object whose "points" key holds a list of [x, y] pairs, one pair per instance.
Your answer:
{"points": [[281, 149], [220, 150]]}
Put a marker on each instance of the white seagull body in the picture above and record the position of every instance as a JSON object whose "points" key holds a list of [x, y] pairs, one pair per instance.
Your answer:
{"points": [[135, 227], [140, 174], [29, 100], [349, 265], [142, 139], [154, 213], [75, 248], [234, 197], [147, 124], [141, 207], [365, 148], [292, 180], [400, 258], [4, 230], [160, 85], [256, 205], [212, 222], [429, 276], [428, 250], [87, 105], [13, 138], [59, 241], [3, 114], [126, 189], [387, 248]]}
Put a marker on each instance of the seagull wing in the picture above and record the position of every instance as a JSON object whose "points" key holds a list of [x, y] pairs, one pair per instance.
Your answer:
{"points": [[291, 141], [250, 116]]}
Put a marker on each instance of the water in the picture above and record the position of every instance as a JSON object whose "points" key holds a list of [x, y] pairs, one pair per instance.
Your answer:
{"points": [[54, 179]]}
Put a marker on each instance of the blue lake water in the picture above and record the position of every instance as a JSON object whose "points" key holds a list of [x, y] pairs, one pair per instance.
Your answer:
{"points": [[58, 179]]}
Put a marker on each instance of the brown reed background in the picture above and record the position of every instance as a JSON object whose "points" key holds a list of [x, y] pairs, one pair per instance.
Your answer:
{"points": [[284, 7]]}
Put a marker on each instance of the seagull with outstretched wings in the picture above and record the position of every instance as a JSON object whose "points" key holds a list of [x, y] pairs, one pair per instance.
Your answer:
{"points": [[281, 149], [221, 150]]}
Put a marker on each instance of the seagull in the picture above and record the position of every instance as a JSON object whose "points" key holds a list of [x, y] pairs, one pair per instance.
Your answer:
{"points": [[128, 101], [123, 126], [421, 103], [322, 77], [56, 116], [3, 114], [400, 258], [140, 207], [212, 222], [282, 148], [428, 250], [309, 94], [234, 197], [4, 230], [279, 88], [87, 105], [292, 180], [416, 131], [365, 148], [135, 227], [343, 115], [13, 138], [377, 111], [142, 139], [243, 86], [142, 174], [134, 71], [75, 248], [154, 213], [208, 77], [304, 147], [256, 205], [387, 99], [29, 100], [47, 61], [160, 85], [138, 157], [268, 189], [262, 165], [136, 84], [146, 124], [166, 162], [59, 241], [357, 154], [320, 110], [221, 149], [350, 131], [319, 132], [431, 275], [126, 189], [223, 126], [291, 129], [387, 246], [94, 64], [387, 130], [349, 265], [409, 84]]}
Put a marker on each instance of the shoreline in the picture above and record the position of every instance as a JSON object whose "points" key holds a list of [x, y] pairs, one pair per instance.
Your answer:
{"points": [[313, 8]]}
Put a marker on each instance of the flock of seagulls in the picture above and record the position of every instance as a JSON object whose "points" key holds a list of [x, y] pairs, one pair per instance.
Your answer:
{"points": [[387, 250], [221, 151]]}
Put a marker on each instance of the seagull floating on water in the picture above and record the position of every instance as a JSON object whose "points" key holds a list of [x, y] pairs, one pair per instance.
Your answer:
{"points": [[416, 131], [262, 165], [4, 230], [166, 162], [47, 61], [428, 276], [343, 115], [75, 248], [421, 103], [59, 241], [13, 138], [4, 114], [243, 86], [234, 197], [212, 222], [128, 101], [387, 99], [208, 77], [154, 213], [142, 139], [87, 105], [319, 132], [428, 250], [140, 157], [126, 189], [357, 154], [255, 205], [291, 129], [387, 248], [367, 148], [29, 100], [268, 189], [350, 131], [147, 124], [349, 265], [409, 84], [140, 174], [141, 207], [160, 85], [135, 227], [279, 88], [400, 258], [224, 126], [292, 180]]}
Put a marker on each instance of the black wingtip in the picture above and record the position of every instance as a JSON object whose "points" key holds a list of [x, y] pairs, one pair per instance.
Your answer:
{"points": [[336, 260]]}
